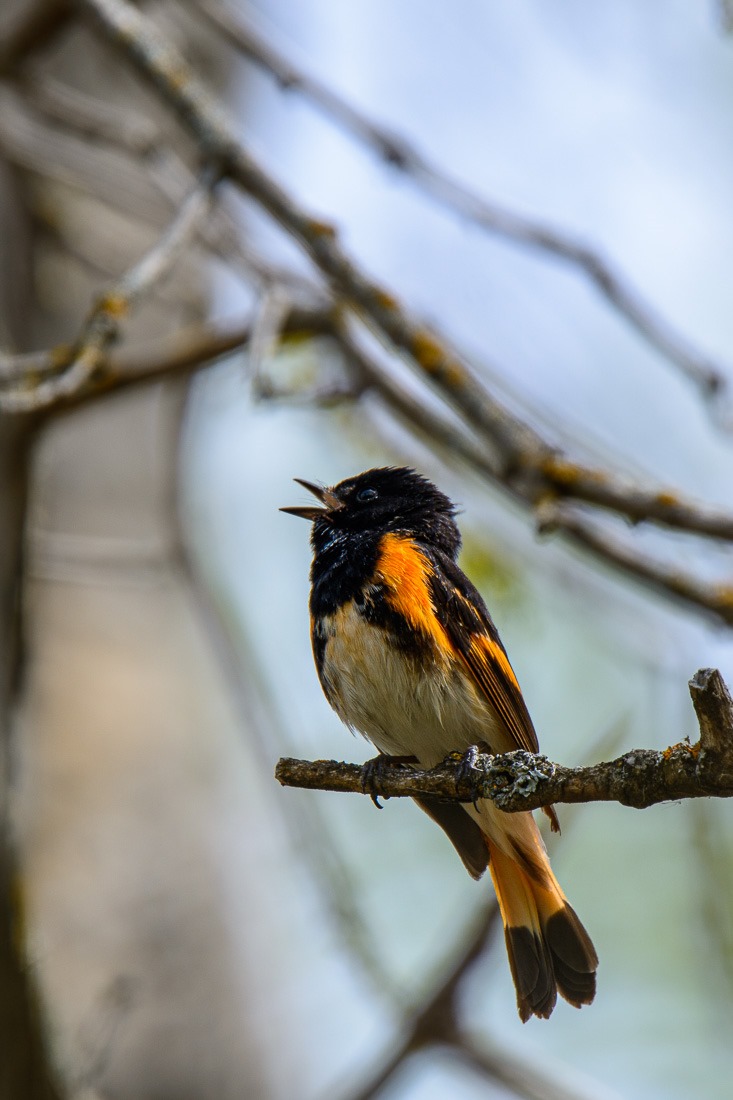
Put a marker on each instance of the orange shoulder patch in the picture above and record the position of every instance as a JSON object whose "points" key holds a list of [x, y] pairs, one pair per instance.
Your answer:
{"points": [[404, 571]]}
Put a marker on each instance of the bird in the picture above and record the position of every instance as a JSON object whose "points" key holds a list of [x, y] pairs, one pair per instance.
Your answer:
{"points": [[408, 656]]}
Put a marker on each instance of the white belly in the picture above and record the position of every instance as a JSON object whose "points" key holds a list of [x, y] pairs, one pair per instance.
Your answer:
{"points": [[403, 706]]}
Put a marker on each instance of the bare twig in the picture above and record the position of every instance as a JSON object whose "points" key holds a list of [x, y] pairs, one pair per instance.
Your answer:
{"points": [[103, 324], [55, 151], [710, 377], [109, 173], [194, 348], [92, 117], [724, 14], [552, 516], [715, 599], [518, 781], [270, 317], [32, 29], [526, 459], [435, 1021], [27, 365], [519, 1075]]}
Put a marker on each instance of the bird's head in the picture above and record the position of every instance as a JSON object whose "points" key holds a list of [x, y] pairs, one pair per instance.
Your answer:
{"points": [[389, 498]]}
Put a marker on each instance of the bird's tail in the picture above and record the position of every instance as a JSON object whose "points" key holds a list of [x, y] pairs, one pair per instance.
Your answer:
{"points": [[549, 950]]}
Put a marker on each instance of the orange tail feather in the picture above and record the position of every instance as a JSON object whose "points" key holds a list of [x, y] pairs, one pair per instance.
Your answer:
{"points": [[549, 950]]}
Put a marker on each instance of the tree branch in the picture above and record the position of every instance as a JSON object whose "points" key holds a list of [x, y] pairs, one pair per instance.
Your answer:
{"points": [[709, 377], [31, 30], [102, 327], [504, 448], [527, 461], [518, 781], [623, 552]]}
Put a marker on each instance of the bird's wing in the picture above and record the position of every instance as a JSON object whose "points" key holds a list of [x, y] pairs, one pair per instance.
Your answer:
{"points": [[466, 620]]}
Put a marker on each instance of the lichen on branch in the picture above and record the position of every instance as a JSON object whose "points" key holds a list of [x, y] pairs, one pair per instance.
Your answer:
{"points": [[520, 780]]}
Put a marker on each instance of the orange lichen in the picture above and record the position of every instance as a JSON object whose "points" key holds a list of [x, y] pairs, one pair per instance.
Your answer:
{"points": [[179, 77], [724, 595], [322, 229], [385, 300], [682, 746], [60, 356], [564, 472], [114, 305], [453, 372], [428, 351], [667, 499], [560, 470]]}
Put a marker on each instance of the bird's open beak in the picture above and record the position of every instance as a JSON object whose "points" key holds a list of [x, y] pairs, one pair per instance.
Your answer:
{"points": [[330, 501]]}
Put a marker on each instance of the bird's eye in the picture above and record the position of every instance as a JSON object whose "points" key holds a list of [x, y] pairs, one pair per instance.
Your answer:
{"points": [[365, 495]]}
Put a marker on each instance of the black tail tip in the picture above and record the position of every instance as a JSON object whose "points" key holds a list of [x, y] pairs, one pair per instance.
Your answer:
{"points": [[531, 968], [561, 960]]}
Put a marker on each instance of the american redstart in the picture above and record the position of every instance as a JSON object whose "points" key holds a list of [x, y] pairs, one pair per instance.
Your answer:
{"points": [[408, 655]]}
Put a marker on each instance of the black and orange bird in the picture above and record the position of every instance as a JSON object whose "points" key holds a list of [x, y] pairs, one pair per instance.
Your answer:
{"points": [[408, 655]]}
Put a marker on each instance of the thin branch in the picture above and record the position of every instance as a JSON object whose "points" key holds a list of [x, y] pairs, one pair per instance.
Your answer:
{"points": [[103, 325], [518, 781], [31, 30], [110, 174], [709, 377], [436, 1019], [202, 345], [715, 599], [526, 458], [92, 117], [25, 366], [194, 348], [519, 1075], [552, 517], [724, 15], [271, 314], [78, 116]]}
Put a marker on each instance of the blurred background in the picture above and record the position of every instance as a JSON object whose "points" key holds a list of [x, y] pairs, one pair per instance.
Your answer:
{"points": [[193, 930]]}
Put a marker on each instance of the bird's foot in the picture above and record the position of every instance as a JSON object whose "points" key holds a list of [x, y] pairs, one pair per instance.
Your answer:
{"points": [[467, 771], [374, 771]]}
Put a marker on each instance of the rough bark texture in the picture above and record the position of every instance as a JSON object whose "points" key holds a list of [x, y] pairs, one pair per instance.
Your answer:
{"points": [[518, 781]]}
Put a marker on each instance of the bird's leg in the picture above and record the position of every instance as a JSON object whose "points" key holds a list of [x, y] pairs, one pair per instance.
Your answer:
{"points": [[374, 770], [467, 770]]}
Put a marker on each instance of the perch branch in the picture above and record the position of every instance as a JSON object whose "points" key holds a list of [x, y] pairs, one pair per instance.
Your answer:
{"points": [[519, 780]]}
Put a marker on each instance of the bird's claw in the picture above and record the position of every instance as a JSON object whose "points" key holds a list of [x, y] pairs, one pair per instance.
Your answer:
{"points": [[468, 771], [374, 771]]}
